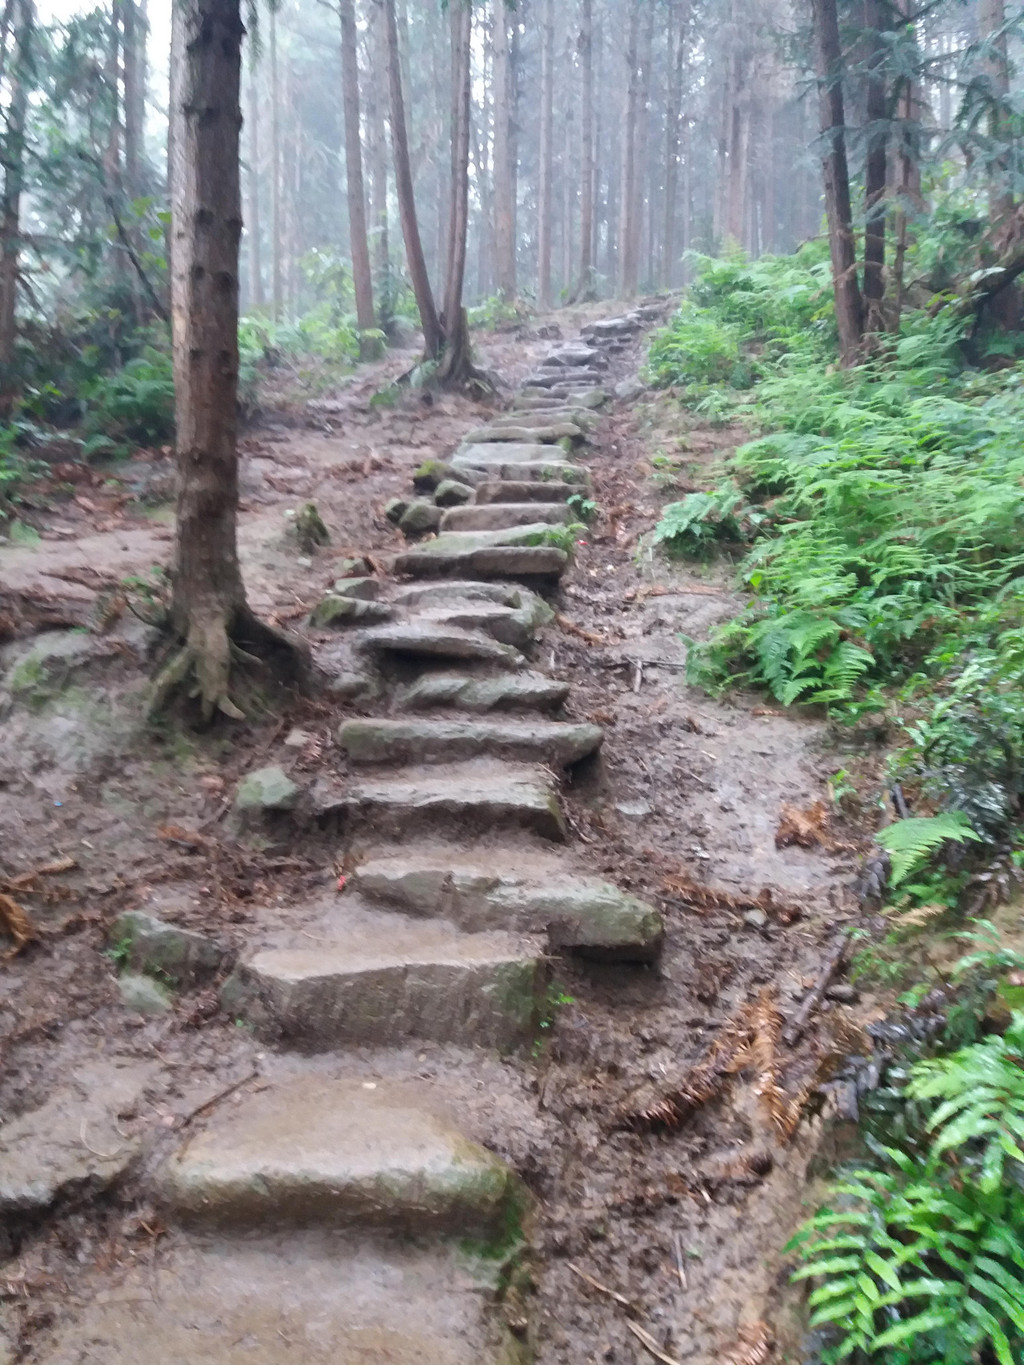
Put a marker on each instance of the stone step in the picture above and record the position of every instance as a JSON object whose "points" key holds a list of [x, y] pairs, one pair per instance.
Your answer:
{"points": [[559, 744], [562, 377], [400, 985], [505, 692], [562, 396], [513, 490], [478, 453], [339, 1154], [492, 459], [425, 639], [309, 1298], [459, 591], [482, 795], [515, 626], [536, 533], [500, 515], [540, 564], [522, 433], [583, 914]]}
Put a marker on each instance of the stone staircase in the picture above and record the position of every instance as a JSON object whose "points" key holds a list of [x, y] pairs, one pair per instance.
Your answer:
{"points": [[331, 1217]]}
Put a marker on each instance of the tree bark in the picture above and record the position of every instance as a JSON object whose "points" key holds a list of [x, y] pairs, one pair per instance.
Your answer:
{"points": [[991, 21], [276, 225], [378, 160], [544, 195], [875, 167], [10, 202], [134, 95], [359, 246], [504, 185], [209, 613], [433, 336], [255, 227], [836, 175], [674, 101], [456, 364], [627, 192], [585, 48]]}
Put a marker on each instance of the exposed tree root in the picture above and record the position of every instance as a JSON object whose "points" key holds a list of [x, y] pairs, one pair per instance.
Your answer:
{"points": [[217, 644]]}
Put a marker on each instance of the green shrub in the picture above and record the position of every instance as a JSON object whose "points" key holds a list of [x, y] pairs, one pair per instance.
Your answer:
{"points": [[133, 404]]}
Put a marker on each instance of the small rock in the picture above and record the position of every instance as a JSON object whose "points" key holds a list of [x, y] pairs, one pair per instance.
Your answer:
{"points": [[353, 568], [395, 509], [419, 519], [365, 589], [843, 993], [309, 529], [431, 474], [266, 789], [634, 810], [151, 944], [354, 687], [297, 739], [452, 493], [756, 919], [629, 389], [143, 995], [339, 611]]}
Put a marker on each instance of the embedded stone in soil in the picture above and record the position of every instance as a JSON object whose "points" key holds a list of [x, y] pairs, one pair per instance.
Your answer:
{"points": [[556, 743], [438, 641], [300, 1298], [579, 913], [517, 491], [416, 981], [482, 795], [540, 564], [523, 433], [504, 692], [500, 515], [338, 1153]]}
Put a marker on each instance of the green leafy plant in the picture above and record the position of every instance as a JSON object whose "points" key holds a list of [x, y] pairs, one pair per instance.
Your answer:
{"points": [[909, 843], [919, 1257]]}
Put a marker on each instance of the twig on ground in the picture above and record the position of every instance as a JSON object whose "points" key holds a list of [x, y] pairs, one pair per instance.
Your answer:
{"points": [[793, 1030], [207, 1105], [103, 1156], [620, 1299], [645, 1339], [677, 1247]]}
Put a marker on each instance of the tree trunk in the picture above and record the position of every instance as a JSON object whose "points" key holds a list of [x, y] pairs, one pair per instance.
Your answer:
{"points": [[991, 21], [836, 175], [585, 48], [433, 336], [208, 607], [456, 365], [544, 195], [134, 95], [10, 202], [359, 245], [674, 101], [504, 213], [377, 63], [276, 225], [627, 191], [875, 168], [255, 245]]}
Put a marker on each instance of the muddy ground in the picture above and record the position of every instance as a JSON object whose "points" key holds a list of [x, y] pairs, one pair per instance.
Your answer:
{"points": [[664, 1192]]}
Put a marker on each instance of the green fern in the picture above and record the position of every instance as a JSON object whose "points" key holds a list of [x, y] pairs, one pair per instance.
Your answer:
{"points": [[910, 842]]}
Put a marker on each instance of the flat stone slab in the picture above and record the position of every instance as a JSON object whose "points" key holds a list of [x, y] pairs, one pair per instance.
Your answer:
{"points": [[501, 515], [71, 1144], [582, 914], [535, 534], [437, 641], [517, 491], [510, 625], [467, 590], [523, 798], [152, 945], [545, 465], [556, 743], [446, 987], [506, 692], [508, 452], [532, 563], [562, 377], [286, 1299], [546, 433], [582, 418], [336, 1154]]}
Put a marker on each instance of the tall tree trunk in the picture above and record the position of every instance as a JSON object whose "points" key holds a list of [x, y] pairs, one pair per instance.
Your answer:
{"points": [[875, 167], [134, 95], [836, 175], [991, 21], [544, 195], [627, 191], [433, 336], [359, 245], [208, 609], [585, 49], [674, 101], [255, 245], [20, 76], [276, 225], [504, 188], [456, 366], [378, 161]]}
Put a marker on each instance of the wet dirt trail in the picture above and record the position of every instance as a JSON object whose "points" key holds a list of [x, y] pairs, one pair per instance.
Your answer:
{"points": [[474, 1021]]}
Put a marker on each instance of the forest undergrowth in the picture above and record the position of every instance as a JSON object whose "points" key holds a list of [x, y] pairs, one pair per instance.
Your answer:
{"points": [[874, 520]]}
